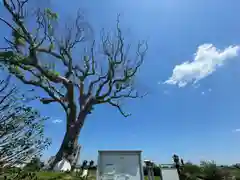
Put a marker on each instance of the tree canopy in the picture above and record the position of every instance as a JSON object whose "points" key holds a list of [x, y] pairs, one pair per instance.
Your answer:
{"points": [[101, 81], [75, 75]]}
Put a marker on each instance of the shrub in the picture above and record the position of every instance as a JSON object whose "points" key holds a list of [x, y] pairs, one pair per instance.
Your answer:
{"points": [[212, 172], [191, 168], [156, 171], [34, 165]]}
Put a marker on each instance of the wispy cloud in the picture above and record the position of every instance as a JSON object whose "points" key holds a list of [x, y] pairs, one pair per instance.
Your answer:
{"points": [[196, 86], [166, 92], [56, 121], [236, 130], [206, 60], [209, 90]]}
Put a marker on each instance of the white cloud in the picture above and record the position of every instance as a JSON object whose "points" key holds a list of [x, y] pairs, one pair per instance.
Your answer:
{"points": [[55, 121], [206, 60], [203, 93], [236, 130]]}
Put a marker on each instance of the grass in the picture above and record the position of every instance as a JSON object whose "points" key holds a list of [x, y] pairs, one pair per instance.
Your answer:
{"points": [[235, 172], [155, 178], [48, 174], [63, 176]]}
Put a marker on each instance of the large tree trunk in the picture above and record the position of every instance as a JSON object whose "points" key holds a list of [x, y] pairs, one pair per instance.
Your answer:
{"points": [[67, 149], [70, 143]]}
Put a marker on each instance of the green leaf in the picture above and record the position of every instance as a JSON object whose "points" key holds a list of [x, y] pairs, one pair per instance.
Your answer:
{"points": [[28, 67], [15, 70], [118, 85], [20, 42], [86, 58], [51, 15], [6, 55], [55, 16], [51, 47], [56, 73]]}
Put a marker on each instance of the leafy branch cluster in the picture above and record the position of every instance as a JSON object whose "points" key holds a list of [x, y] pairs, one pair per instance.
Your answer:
{"points": [[21, 127]]}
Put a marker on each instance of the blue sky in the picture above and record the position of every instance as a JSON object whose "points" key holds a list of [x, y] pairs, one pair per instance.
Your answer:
{"points": [[191, 73]]}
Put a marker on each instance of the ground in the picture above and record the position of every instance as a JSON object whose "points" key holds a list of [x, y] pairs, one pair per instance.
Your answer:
{"points": [[44, 175], [63, 176]]}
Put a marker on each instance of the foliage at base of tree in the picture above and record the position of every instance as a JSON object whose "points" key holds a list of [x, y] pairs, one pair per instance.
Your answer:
{"points": [[34, 165], [19, 174]]}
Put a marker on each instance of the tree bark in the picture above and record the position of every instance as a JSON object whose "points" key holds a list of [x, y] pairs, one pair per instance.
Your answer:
{"points": [[75, 123], [70, 142], [66, 151]]}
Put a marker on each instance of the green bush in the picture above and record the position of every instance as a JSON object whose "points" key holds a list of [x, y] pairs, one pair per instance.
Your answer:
{"points": [[34, 165], [212, 172], [26, 175], [156, 171], [21, 175], [191, 168]]}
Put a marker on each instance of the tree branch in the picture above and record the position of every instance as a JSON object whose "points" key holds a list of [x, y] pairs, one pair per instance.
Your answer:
{"points": [[114, 82], [46, 89], [118, 107], [118, 83]]}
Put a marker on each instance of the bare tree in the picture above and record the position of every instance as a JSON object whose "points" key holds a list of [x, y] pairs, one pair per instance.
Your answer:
{"points": [[76, 80], [21, 128]]}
